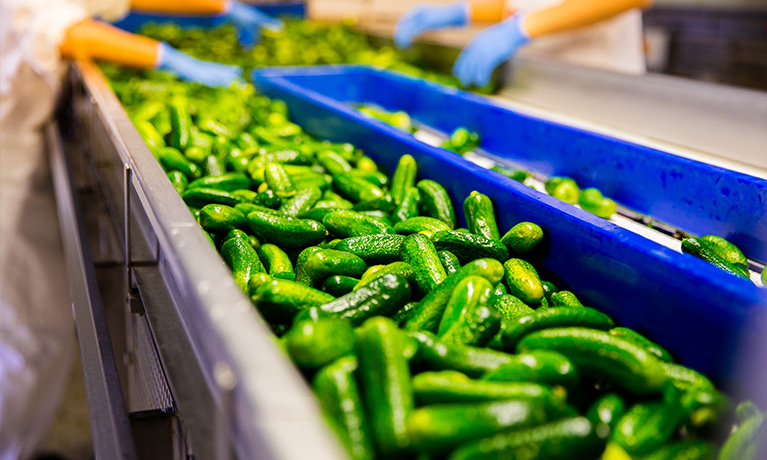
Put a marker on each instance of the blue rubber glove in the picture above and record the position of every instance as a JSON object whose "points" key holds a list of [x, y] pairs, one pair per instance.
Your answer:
{"points": [[425, 17], [188, 68], [488, 49], [248, 21]]}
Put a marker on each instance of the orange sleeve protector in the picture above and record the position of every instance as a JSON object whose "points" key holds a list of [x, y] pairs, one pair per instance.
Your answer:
{"points": [[572, 14], [198, 7], [487, 10], [91, 39]]}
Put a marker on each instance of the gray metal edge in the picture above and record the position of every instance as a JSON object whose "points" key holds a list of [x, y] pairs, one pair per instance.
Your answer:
{"points": [[106, 404], [282, 409]]}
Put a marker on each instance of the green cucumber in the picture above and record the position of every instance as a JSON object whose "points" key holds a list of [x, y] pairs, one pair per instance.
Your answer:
{"points": [[319, 264], [277, 263], [339, 395], [701, 250], [278, 181], [472, 361], [219, 218], [196, 154], [199, 197], [449, 261], [317, 339], [338, 285], [592, 200], [540, 366], [563, 188], [268, 199], [436, 203], [523, 238], [404, 178], [333, 162], [545, 318], [228, 182], [385, 204], [356, 188], [605, 412], [565, 299], [469, 294], [286, 232], [441, 428], [408, 207], [647, 426], [418, 251], [402, 314], [382, 296], [685, 378], [152, 138], [429, 312], [214, 166], [420, 224], [447, 387], [597, 354], [480, 216], [561, 440], [385, 377], [301, 202], [374, 177], [180, 123], [242, 259], [280, 300], [178, 180], [468, 246], [685, 450], [345, 224], [642, 341], [400, 268], [523, 281], [173, 160], [373, 249]]}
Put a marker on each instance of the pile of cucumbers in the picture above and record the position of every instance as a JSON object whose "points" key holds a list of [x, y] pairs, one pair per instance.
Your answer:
{"points": [[420, 338]]}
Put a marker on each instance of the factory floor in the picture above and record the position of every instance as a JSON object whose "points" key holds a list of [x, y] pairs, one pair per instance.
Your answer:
{"points": [[69, 437]]}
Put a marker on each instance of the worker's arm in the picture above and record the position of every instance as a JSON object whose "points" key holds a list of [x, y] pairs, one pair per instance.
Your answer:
{"points": [[90, 39], [247, 19], [499, 42]]}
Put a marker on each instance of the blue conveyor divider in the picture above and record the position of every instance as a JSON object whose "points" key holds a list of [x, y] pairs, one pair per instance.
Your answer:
{"points": [[689, 306], [134, 21], [690, 195]]}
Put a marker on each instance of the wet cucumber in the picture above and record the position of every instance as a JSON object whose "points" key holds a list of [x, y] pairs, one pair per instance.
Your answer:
{"points": [[384, 374], [563, 188], [402, 314], [284, 231], [219, 218], [268, 199], [314, 265], [148, 132], [436, 203], [382, 296], [280, 300], [605, 412], [316, 339], [301, 202], [522, 238], [441, 428], [214, 166], [565, 299], [333, 162], [641, 341], [428, 314], [199, 197], [592, 200], [480, 216], [356, 188], [373, 249], [228, 182], [699, 249], [523, 281], [400, 268], [541, 366], [338, 285], [408, 207], [418, 251], [420, 224], [725, 249], [455, 387], [173, 160], [472, 361], [242, 259], [449, 262], [404, 178], [597, 354], [339, 395], [180, 123], [647, 426], [345, 224], [278, 180], [178, 180], [545, 318], [277, 263], [468, 246], [467, 320], [245, 196], [510, 308], [564, 439]]}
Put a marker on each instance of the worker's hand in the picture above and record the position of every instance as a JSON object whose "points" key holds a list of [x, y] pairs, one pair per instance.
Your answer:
{"points": [[188, 68], [248, 21], [425, 17], [488, 49]]}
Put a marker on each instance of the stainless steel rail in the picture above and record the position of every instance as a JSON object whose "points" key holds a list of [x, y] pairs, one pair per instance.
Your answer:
{"points": [[106, 406], [237, 394]]}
